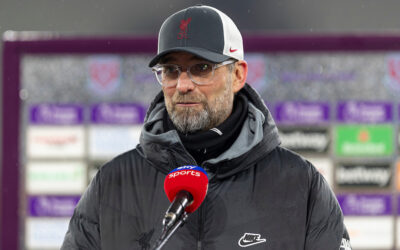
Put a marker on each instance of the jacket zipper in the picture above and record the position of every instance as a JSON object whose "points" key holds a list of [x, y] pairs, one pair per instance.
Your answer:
{"points": [[201, 219]]}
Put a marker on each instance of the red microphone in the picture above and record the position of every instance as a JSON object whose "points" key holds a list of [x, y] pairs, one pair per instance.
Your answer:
{"points": [[186, 187]]}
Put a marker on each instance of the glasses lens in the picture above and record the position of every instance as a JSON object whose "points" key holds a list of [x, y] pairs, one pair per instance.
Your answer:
{"points": [[170, 72], [167, 74], [201, 69], [201, 73]]}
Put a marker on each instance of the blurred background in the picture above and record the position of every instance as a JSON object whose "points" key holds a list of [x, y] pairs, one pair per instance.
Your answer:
{"points": [[339, 108]]}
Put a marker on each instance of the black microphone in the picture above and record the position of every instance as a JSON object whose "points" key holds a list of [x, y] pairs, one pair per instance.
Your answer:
{"points": [[177, 207]]}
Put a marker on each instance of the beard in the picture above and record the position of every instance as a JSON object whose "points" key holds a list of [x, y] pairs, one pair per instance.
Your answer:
{"points": [[213, 112]]}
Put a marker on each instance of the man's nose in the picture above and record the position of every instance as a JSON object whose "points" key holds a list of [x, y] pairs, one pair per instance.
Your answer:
{"points": [[185, 84]]}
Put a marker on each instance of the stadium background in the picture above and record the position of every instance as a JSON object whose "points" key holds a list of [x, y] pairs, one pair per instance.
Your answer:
{"points": [[338, 108]]}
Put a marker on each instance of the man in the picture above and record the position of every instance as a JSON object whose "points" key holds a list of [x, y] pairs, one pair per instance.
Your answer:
{"points": [[260, 195]]}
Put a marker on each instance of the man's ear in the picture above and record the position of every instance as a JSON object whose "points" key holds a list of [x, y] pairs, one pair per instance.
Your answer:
{"points": [[239, 75]]}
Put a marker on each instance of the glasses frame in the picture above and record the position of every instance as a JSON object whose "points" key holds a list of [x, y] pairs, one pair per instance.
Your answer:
{"points": [[179, 68]]}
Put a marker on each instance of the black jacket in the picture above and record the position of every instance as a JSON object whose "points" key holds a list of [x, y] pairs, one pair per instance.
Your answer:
{"points": [[260, 195]]}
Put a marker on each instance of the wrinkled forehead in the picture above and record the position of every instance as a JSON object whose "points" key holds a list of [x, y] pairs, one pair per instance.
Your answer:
{"points": [[181, 58]]}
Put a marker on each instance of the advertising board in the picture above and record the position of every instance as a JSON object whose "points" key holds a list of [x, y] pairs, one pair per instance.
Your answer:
{"points": [[364, 175], [364, 140], [305, 140], [55, 142], [106, 142], [370, 232], [45, 233], [301, 112], [364, 112], [46, 177], [52, 205]]}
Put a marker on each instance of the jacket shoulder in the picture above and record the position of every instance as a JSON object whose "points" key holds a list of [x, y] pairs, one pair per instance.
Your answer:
{"points": [[294, 161], [295, 168], [129, 159]]}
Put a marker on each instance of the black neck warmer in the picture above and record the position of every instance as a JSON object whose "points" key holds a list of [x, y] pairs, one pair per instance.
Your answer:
{"points": [[204, 145]]}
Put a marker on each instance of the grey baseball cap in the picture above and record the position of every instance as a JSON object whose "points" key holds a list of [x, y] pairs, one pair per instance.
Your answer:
{"points": [[203, 31]]}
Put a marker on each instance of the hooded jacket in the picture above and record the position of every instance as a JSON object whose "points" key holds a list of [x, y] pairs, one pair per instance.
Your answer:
{"points": [[260, 195]]}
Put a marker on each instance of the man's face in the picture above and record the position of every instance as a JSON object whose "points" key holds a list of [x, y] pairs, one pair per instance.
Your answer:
{"points": [[193, 107]]}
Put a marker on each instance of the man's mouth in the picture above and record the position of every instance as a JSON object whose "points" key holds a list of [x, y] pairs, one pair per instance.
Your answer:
{"points": [[187, 104]]}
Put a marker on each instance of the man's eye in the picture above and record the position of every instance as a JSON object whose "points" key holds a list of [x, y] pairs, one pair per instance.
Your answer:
{"points": [[201, 68], [169, 69]]}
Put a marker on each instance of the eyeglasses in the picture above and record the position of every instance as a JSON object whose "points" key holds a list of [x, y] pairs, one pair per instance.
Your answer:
{"points": [[200, 73]]}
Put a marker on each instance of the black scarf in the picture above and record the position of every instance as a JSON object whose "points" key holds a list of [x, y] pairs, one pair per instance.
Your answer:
{"points": [[204, 145]]}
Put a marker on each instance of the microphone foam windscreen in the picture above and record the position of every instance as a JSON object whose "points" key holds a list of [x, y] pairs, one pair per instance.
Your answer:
{"points": [[189, 178]]}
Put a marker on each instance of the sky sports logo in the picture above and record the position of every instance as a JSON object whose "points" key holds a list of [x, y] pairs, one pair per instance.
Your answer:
{"points": [[184, 172], [186, 167], [187, 171]]}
